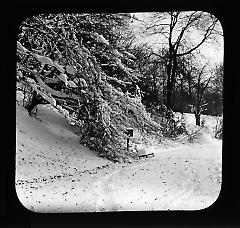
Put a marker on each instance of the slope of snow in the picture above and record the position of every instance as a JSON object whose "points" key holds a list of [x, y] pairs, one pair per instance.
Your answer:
{"points": [[54, 173], [184, 178], [50, 139], [47, 149], [187, 178]]}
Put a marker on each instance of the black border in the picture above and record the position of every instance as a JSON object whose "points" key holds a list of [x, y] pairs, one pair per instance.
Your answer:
{"points": [[222, 213]]}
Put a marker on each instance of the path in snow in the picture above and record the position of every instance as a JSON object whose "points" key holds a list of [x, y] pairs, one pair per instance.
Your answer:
{"points": [[183, 179]]}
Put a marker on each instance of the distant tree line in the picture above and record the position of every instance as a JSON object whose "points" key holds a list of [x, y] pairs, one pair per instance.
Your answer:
{"points": [[173, 75]]}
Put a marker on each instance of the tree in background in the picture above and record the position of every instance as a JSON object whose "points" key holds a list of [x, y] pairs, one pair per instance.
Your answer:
{"points": [[181, 96], [175, 29], [197, 79], [152, 80], [214, 96]]}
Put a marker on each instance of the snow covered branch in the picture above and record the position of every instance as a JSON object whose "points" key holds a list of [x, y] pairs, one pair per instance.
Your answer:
{"points": [[118, 81], [54, 92]]}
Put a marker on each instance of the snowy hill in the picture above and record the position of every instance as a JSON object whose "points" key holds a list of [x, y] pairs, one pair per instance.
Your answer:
{"points": [[55, 173], [50, 139], [48, 149]]}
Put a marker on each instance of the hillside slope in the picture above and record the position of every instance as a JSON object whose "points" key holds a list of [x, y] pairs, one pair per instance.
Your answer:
{"points": [[55, 173], [47, 150]]}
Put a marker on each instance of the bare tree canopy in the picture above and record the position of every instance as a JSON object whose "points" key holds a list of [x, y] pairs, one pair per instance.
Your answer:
{"points": [[181, 33]]}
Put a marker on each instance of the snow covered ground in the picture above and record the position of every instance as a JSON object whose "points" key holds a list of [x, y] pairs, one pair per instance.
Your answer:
{"points": [[54, 173]]}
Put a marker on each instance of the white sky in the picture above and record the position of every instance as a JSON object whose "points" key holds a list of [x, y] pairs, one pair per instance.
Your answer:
{"points": [[211, 52]]}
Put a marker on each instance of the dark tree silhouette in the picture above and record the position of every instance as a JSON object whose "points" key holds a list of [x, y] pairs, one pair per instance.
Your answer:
{"points": [[175, 28], [198, 79]]}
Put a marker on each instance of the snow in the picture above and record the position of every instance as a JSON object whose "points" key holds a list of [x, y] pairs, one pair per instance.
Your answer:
{"points": [[54, 173], [72, 84], [210, 121]]}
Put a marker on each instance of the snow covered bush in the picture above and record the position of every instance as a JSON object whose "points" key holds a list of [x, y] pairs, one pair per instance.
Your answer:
{"points": [[171, 124], [73, 63], [179, 125], [193, 132]]}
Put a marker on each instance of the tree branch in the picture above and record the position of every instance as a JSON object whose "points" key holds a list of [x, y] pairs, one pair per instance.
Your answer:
{"points": [[206, 35], [118, 81], [54, 92], [156, 25], [153, 53], [189, 22]]}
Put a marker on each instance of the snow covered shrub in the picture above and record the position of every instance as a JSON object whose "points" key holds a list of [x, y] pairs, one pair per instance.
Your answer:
{"points": [[72, 62], [119, 113], [171, 124], [208, 124], [193, 132], [179, 125]]}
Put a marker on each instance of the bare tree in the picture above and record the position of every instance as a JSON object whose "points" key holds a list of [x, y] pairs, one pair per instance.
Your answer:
{"points": [[182, 33], [197, 83]]}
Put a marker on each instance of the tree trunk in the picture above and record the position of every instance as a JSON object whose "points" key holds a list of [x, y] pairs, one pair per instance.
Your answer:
{"points": [[169, 96], [171, 74], [181, 97], [197, 116]]}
